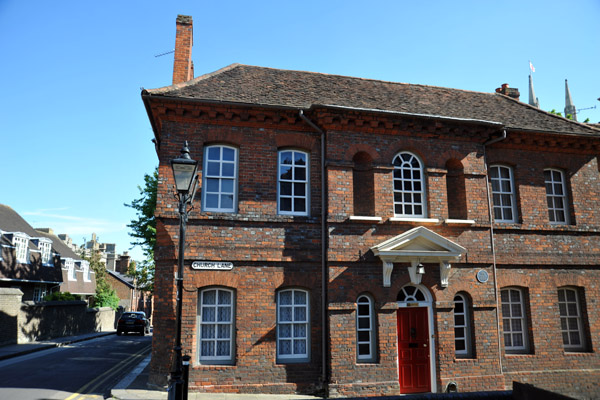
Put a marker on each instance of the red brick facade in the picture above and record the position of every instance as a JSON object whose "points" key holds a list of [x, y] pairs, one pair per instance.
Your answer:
{"points": [[528, 260]]}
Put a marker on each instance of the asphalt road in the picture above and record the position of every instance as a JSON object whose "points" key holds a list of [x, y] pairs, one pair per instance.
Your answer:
{"points": [[84, 370]]}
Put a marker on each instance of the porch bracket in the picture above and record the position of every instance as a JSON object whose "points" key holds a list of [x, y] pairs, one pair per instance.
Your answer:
{"points": [[387, 273], [444, 272]]}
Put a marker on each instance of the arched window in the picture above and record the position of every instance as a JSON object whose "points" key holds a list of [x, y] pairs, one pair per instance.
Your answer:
{"points": [[571, 319], [293, 316], [556, 196], [503, 193], [411, 293], [293, 184], [216, 318], [365, 329], [219, 189], [514, 320], [409, 186], [462, 327]]}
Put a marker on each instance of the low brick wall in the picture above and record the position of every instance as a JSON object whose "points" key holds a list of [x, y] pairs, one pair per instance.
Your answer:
{"points": [[62, 318], [10, 305], [26, 322]]}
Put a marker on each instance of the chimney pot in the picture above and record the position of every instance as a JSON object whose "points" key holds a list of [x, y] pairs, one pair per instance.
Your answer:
{"points": [[507, 91]]}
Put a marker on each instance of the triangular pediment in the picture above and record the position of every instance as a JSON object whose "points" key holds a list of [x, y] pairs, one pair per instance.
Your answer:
{"points": [[420, 243]]}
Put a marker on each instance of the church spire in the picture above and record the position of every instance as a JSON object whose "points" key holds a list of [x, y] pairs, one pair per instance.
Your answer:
{"points": [[534, 101], [569, 106]]}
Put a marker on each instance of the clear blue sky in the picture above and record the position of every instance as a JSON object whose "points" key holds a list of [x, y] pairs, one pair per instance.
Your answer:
{"points": [[75, 140]]}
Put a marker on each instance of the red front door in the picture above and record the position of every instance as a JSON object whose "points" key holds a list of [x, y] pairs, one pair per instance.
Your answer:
{"points": [[413, 350]]}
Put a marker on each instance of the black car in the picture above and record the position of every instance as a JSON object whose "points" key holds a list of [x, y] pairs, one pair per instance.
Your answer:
{"points": [[133, 321]]}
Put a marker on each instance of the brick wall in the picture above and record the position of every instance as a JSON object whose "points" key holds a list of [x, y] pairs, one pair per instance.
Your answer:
{"points": [[271, 251]]}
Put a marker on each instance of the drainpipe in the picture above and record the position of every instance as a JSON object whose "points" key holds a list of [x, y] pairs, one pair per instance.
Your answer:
{"points": [[324, 244], [490, 209]]}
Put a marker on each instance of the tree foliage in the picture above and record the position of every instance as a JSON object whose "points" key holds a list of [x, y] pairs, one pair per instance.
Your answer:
{"points": [[143, 230], [61, 296], [105, 295]]}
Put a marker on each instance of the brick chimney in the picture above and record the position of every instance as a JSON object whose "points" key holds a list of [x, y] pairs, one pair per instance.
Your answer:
{"points": [[510, 92], [183, 67]]}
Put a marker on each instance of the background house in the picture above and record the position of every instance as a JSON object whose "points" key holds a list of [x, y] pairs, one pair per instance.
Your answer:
{"points": [[38, 262], [397, 238]]}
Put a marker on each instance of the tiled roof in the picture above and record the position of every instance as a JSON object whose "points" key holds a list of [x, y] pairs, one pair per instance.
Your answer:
{"points": [[297, 89]]}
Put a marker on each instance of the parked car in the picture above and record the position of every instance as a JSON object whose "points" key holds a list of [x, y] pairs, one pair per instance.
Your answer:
{"points": [[133, 321]]}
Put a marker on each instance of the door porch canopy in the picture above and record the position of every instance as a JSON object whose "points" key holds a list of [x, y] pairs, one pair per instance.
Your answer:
{"points": [[417, 246]]}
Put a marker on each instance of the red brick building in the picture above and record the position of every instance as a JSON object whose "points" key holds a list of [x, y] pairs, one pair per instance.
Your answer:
{"points": [[360, 237]]}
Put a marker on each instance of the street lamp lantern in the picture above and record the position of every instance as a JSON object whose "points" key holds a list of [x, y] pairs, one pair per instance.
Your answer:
{"points": [[186, 181], [184, 170]]}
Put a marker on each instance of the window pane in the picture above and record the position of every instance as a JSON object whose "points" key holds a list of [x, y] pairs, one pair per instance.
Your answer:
{"points": [[228, 154], [224, 297], [285, 331], [285, 347], [227, 201], [285, 313], [460, 345], [364, 349], [299, 314], [285, 157], [212, 185], [285, 204], [208, 348], [227, 185], [207, 331], [208, 314], [363, 323], [224, 314], [299, 189], [223, 332], [209, 297], [363, 309], [459, 320], [300, 158], [299, 297], [299, 330], [285, 172], [299, 346], [213, 169], [285, 188], [212, 201], [214, 153], [299, 205], [222, 348], [228, 169], [300, 174], [364, 336]]}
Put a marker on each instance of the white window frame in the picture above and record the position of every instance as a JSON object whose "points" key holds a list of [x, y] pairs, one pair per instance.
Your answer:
{"points": [[553, 198], [21, 243], [294, 183], [39, 292], [510, 321], [465, 326], [501, 195], [295, 324], [571, 321], [45, 247], [208, 317], [69, 265], [365, 326], [85, 266], [406, 189], [220, 178]]}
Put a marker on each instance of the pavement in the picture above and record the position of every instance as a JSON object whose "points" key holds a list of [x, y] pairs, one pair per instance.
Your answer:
{"points": [[134, 386]]}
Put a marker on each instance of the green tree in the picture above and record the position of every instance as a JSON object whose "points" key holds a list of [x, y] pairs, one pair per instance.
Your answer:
{"points": [[143, 230], [105, 295]]}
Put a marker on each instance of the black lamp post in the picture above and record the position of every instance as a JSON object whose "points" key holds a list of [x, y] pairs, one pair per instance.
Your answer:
{"points": [[184, 172]]}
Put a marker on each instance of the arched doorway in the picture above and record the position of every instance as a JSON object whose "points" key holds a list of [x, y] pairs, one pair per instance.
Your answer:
{"points": [[416, 372]]}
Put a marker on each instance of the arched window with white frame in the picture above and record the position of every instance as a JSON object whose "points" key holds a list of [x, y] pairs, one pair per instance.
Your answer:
{"points": [[216, 317], [571, 319], [503, 193], [365, 329], [293, 327], [463, 346], [556, 196], [293, 187], [409, 186], [219, 189]]}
